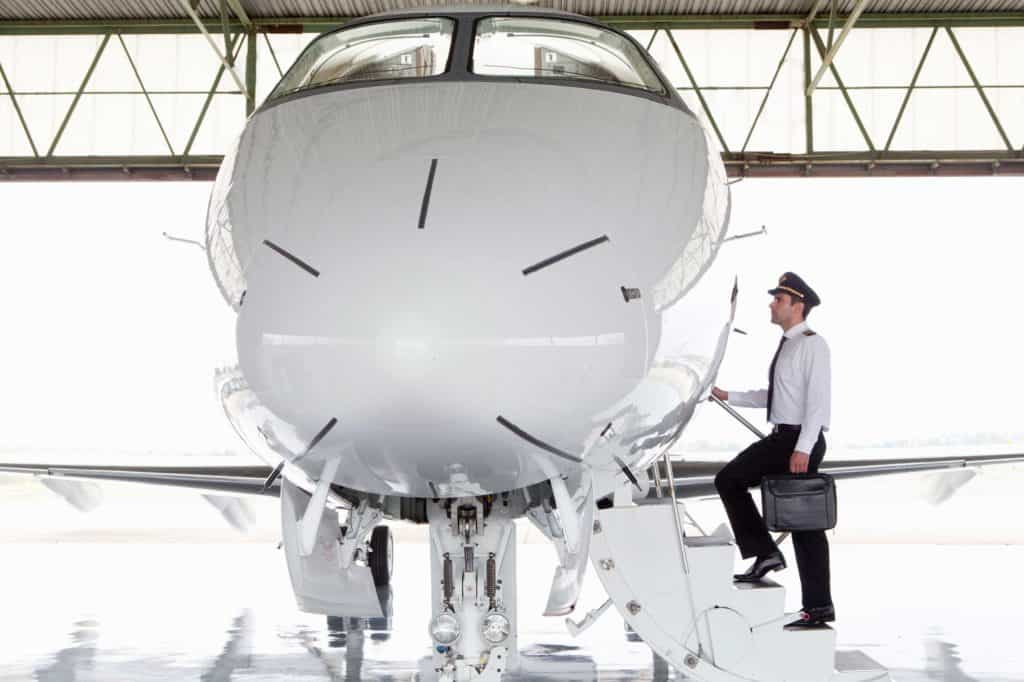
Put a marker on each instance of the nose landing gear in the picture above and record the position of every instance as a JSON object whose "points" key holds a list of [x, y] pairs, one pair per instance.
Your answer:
{"points": [[473, 589]]}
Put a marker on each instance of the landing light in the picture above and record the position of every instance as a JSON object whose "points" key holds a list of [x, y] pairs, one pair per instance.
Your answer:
{"points": [[445, 629], [496, 628]]}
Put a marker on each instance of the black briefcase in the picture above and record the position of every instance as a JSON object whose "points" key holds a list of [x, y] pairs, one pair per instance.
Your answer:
{"points": [[795, 502]]}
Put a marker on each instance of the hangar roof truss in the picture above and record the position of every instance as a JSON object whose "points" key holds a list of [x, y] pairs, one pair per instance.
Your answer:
{"points": [[148, 89]]}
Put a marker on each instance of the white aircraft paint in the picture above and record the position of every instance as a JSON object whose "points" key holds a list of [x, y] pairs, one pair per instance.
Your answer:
{"points": [[417, 340]]}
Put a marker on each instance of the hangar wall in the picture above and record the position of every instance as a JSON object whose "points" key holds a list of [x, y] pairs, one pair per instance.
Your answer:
{"points": [[929, 95]]}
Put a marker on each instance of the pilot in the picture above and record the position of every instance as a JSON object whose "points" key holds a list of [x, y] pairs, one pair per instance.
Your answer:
{"points": [[798, 402]]}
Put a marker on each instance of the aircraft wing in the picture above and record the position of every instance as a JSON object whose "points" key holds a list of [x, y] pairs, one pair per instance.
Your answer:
{"points": [[233, 480], [693, 479], [697, 478]]}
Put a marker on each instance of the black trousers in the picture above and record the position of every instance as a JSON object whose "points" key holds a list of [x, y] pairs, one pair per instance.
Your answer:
{"points": [[771, 456]]}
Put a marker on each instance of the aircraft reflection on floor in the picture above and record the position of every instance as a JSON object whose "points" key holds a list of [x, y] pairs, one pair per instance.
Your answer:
{"points": [[942, 662], [238, 659], [351, 634], [237, 651], [68, 661], [231, 628], [563, 662]]}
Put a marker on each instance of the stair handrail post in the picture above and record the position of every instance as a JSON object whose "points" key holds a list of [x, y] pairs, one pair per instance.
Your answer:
{"points": [[657, 480], [681, 539]]}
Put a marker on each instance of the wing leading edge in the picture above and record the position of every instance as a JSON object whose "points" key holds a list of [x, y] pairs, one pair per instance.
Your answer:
{"points": [[693, 479], [697, 478], [234, 480]]}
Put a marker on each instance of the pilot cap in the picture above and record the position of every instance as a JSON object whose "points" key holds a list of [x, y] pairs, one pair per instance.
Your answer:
{"points": [[790, 283]]}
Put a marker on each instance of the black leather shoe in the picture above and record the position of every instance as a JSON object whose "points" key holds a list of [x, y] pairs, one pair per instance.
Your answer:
{"points": [[762, 567], [813, 618]]}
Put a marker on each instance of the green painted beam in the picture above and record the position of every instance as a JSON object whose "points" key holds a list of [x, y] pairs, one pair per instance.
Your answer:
{"points": [[750, 164], [978, 86], [768, 91], [638, 22], [693, 82], [108, 168], [842, 88], [791, 21], [808, 99], [250, 72], [910, 88], [167, 26], [78, 95], [149, 100]]}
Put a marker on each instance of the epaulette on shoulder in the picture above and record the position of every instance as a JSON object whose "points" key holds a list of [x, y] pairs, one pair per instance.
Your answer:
{"points": [[809, 333]]}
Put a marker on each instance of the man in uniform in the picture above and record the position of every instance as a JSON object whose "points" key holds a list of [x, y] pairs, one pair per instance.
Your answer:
{"points": [[798, 402]]}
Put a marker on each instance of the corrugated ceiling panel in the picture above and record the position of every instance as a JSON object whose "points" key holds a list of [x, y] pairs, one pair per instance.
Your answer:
{"points": [[171, 9], [99, 9]]}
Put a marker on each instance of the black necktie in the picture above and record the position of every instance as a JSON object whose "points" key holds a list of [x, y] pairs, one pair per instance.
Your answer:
{"points": [[771, 376]]}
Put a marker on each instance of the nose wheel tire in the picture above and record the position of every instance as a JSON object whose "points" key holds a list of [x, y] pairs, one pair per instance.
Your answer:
{"points": [[382, 555]]}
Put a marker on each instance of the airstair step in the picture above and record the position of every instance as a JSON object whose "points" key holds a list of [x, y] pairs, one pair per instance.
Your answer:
{"points": [[761, 602], [736, 629], [806, 655], [857, 666]]}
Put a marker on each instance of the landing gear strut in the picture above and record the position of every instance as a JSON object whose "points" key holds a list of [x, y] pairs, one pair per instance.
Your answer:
{"points": [[473, 575]]}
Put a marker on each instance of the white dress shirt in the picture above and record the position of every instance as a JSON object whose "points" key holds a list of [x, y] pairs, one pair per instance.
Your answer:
{"points": [[802, 388]]}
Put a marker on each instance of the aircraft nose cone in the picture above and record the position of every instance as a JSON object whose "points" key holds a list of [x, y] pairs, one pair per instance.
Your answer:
{"points": [[462, 263], [464, 274], [442, 316]]}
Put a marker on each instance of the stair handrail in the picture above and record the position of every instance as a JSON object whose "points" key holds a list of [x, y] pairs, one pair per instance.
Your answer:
{"points": [[736, 415], [681, 539]]}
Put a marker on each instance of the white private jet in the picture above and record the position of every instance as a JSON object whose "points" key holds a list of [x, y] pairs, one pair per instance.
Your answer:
{"points": [[469, 252]]}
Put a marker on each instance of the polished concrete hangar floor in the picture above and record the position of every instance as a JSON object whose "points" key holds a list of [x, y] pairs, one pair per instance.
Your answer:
{"points": [[153, 585], [223, 611]]}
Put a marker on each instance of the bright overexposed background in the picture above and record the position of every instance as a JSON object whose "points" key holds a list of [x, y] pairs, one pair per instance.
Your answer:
{"points": [[112, 332]]}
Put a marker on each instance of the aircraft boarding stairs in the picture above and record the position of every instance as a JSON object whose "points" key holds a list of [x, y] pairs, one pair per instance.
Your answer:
{"points": [[685, 606]]}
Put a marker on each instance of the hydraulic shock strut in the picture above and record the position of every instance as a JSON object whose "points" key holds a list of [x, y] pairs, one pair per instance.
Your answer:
{"points": [[449, 580], [491, 587]]}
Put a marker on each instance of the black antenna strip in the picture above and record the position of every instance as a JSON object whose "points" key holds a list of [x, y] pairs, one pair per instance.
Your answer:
{"points": [[565, 254], [298, 261], [539, 443], [426, 193]]}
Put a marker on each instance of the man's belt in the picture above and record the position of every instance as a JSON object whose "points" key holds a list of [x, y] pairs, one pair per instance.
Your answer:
{"points": [[795, 428]]}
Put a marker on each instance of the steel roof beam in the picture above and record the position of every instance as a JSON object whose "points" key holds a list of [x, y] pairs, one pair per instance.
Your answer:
{"points": [[791, 21], [234, 45], [980, 89], [17, 110], [78, 95], [842, 88], [236, 7], [227, 61], [833, 49], [814, 12], [768, 91], [696, 89], [910, 88], [752, 165], [638, 22]]}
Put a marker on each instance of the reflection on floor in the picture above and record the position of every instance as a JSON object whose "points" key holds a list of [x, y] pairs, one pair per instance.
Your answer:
{"points": [[67, 662], [83, 612]]}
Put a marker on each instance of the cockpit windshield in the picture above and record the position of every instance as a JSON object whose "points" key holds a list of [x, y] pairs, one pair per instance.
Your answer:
{"points": [[531, 47], [509, 46], [407, 48]]}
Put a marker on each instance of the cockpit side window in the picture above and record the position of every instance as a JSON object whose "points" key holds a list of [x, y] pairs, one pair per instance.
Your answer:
{"points": [[406, 48], [531, 47]]}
